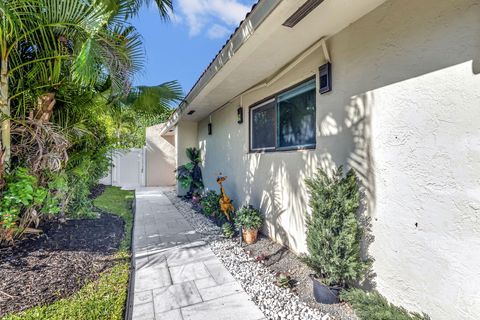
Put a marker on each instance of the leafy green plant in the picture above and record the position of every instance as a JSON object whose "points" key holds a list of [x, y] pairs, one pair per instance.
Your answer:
{"points": [[333, 229], [190, 175], [228, 230], [373, 306], [23, 202], [84, 170], [210, 203], [283, 280], [248, 218]]}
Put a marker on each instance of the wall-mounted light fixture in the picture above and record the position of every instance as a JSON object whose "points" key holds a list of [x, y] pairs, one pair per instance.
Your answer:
{"points": [[210, 126], [325, 78], [191, 112], [240, 115]]}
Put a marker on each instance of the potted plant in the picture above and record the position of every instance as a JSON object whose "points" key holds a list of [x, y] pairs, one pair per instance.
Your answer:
{"points": [[334, 233], [250, 221]]}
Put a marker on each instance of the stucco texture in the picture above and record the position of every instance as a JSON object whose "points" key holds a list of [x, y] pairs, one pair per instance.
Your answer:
{"points": [[160, 158], [404, 113], [186, 136]]}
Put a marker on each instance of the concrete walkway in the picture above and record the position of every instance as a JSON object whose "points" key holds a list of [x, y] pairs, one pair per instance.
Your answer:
{"points": [[177, 276]]}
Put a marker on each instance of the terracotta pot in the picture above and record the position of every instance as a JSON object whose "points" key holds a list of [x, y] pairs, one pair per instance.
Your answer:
{"points": [[250, 236]]}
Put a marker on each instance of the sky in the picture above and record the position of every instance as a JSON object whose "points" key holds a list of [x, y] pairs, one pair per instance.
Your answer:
{"points": [[182, 48]]}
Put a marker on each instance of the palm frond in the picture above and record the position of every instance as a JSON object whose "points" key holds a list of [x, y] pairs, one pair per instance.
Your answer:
{"points": [[165, 7], [155, 99]]}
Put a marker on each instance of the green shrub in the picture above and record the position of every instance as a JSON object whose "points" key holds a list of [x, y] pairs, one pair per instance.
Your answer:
{"points": [[25, 202], [84, 170], [190, 175], [228, 230], [333, 230], [248, 218], [210, 204], [373, 306]]}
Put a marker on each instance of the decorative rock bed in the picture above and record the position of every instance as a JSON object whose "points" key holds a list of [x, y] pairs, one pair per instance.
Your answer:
{"points": [[256, 278]]}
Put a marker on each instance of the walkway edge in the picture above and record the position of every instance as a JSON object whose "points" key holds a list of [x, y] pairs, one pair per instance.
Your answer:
{"points": [[131, 276]]}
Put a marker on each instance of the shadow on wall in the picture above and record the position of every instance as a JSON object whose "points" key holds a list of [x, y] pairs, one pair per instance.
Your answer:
{"points": [[160, 158], [275, 182], [365, 60]]}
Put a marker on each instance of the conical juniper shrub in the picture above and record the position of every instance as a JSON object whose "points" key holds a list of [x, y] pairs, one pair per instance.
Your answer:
{"points": [[333, 229]]}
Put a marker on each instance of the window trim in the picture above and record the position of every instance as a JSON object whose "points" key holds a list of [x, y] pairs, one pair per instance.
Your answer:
{"points": [[269, 99]]}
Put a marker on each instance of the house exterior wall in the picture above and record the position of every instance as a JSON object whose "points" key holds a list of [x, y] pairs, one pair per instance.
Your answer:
{"points": [[186, 136], [404, 113], [160, 158]]}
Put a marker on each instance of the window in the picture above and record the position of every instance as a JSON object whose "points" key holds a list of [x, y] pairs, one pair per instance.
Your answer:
{"points": [[285, 122], [263, 126]]}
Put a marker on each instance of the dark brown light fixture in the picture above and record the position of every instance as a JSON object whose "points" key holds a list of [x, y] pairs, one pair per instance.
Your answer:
{"points": [[191, 112], [301, 13], [209, 129], [240, 115], [325, 78]]}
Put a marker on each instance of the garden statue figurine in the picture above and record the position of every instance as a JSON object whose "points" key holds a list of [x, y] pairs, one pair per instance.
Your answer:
{"points": [[226, 205]]}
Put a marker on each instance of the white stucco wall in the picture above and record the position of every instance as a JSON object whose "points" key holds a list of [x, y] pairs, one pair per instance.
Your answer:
{"points": [[186, 136], [160, 158], [405, 113]]}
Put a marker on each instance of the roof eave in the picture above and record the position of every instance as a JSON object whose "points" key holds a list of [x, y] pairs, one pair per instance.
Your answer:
{"points": [[260, 11]]}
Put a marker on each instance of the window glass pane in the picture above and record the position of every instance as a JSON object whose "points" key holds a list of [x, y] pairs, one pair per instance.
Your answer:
{"points": [[263, 126], [296, 116]]}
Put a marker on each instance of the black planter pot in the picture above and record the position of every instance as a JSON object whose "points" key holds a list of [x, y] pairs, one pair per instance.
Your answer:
{"points": [[325, 294]]}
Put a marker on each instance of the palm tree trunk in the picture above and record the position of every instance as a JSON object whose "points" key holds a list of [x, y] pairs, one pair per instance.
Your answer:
{"points": [[45, 105], [5, 110]]}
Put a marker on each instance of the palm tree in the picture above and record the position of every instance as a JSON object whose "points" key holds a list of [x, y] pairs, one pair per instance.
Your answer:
{"points": [[48, 44], [34, 43], [142, 107]]}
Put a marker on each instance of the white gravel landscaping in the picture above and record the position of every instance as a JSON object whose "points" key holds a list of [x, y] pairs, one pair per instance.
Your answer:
{"points": [[256, 279]]}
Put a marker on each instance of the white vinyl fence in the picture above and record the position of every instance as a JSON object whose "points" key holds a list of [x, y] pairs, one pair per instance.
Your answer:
{"points": [[127, 169]]}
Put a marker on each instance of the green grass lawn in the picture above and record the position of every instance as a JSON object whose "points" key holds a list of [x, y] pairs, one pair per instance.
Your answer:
{"points": [[118, 202], [104, 298]]}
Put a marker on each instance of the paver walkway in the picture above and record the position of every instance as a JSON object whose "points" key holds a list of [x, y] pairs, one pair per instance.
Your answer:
{"points": [[177, 276]]}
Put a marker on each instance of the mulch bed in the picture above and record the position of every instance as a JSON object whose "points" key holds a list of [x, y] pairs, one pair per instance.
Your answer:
{"points": [[58, 263]]}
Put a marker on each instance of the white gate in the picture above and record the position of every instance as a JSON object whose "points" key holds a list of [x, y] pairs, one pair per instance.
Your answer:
{"points": [[127, 169]]}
